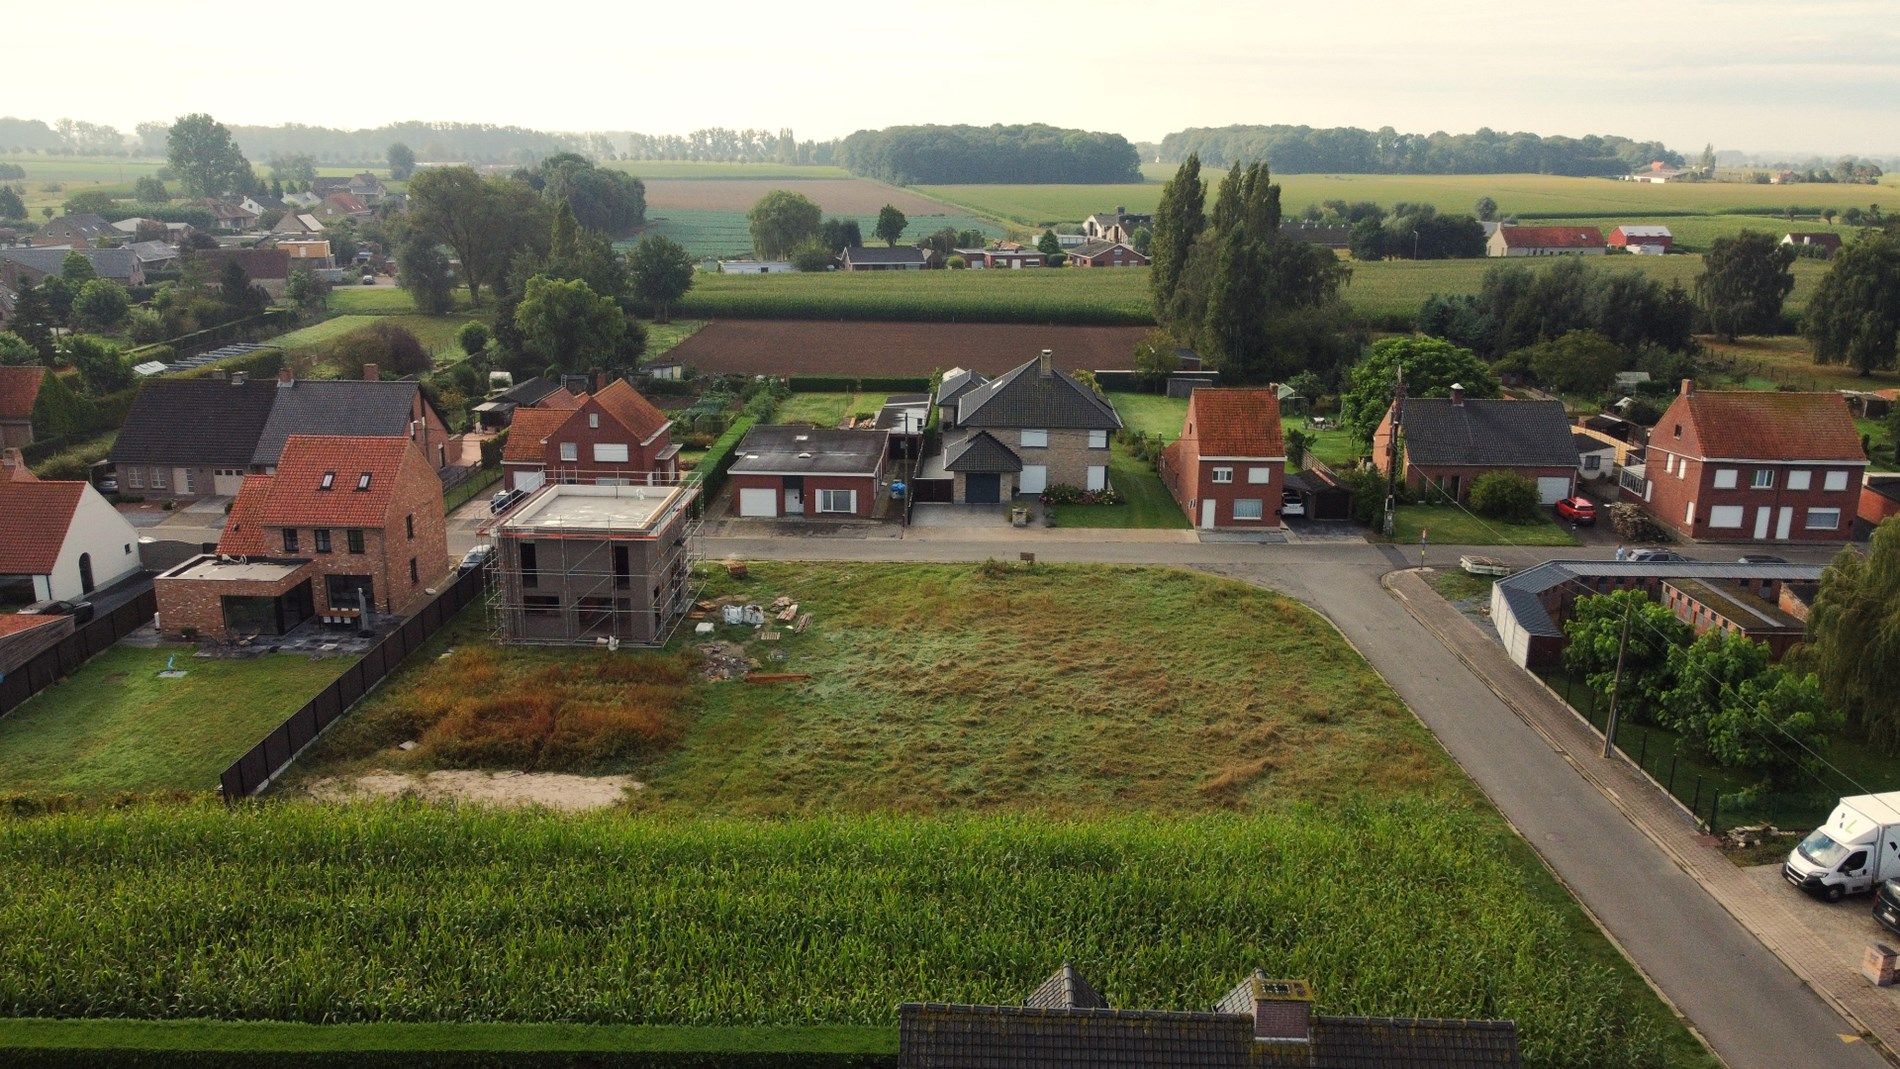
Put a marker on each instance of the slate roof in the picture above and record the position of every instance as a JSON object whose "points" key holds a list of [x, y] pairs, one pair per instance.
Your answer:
{"points": [[1552, 237], [380, 409], [1027, 397], [1066, 989], [1097, 248], [1520, 592], [800, 450], [1487, 433], [956, 382], [115, 264], [527, 391], [19, 388], [34, 518], [262, 265], [1768, 425], [1236, 422], [872, 254], [980, 452], [149, 252], [87, 223], [244, 528], [296, 496], [625, 404], [195, 422], [528, 433]]}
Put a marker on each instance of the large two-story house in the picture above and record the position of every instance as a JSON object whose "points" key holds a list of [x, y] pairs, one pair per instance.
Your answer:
{"points": [[615, 436], [1752, 466], [1020, 433]]}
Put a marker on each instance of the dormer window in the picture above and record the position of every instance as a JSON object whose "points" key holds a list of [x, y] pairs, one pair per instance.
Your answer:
{"points": [[328, 482], [362, 482]]}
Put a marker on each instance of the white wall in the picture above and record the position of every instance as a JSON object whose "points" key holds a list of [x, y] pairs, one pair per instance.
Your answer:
{"points": [[99, 530]]}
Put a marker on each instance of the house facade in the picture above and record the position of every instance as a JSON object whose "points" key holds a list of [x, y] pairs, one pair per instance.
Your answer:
{"points": [[60, 540], [1116, 226], [1020, 433], [1546, 241], [612, 437], [19, 388], [1106, 254], [800, 471], [1445, 443], [1642, 238], [1751, 466], [83, 231], [1228, 467]]}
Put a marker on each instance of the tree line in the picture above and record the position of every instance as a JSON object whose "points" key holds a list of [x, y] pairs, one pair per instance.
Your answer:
{"points": [[1023, 153], [1351, 150]]}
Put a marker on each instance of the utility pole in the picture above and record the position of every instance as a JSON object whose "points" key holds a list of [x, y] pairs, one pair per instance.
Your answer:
{"points": [[1392, 454], [1616, 686]]}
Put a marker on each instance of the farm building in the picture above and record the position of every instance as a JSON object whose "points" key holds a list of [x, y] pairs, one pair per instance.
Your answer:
{"points": [[1546, 241], [1773, 614], [1645, 239], [1823, 244], [1106, 254], [870, 258], [755, 267], [799, 471], [1656, 174]]}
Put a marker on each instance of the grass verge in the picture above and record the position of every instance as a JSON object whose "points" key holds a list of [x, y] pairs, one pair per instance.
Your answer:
{"points": [[1452, 526]]}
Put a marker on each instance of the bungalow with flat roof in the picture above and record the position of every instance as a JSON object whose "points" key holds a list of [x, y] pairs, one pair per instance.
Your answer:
{"points": [[873, 258], [795, 471]]}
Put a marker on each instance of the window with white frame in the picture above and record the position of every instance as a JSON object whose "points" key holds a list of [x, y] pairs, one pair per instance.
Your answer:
{"points": [[1669, 463], [1835, 480], [1824, 519], [1035, 439], [135, 478], [1248, 508], [593, 420], [1725, 478], [570, 451], [1800, 479], [1726, 516], [1098, 439], [1764, 479], [1257, 476], [1223, 475], [837, 501], [610, 454], [160, 478]]}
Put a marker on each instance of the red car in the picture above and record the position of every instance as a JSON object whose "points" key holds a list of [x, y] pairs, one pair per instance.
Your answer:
{"points": [[1578, 510]]}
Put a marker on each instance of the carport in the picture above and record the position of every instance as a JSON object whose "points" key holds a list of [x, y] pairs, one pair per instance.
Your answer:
{"points": [[1324, 496]]}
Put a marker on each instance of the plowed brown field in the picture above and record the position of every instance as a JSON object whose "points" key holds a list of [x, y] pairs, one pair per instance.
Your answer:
{"points": [[837, 196], [791, 347]]}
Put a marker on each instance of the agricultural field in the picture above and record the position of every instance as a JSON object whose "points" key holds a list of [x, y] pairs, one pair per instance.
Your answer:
{"points": [[858, 197], [702, 170], [115, 726], [1106, 296], [725, 234], [797, 347]]}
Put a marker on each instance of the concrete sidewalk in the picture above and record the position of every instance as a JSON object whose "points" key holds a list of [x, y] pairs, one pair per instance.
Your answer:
{"points": [[1768, 912]]}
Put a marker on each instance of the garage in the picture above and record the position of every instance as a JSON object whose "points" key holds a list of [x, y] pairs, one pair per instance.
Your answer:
{"points": [[983, 488], [758, 502], [529, 481], [1552, 489]]}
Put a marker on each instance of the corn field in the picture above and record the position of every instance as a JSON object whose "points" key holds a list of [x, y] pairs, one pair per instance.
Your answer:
{"points": [[401, 912]]}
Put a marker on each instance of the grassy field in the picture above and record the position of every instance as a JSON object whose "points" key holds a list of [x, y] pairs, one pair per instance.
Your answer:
{"points": [[662, 337], [696, 169], [826, 409], [1111, 297], [1452, 526], [1150, 413], [725, 234], [115, 726], [382, 300], [436, 333], [1145, 499], [1399, 287]]}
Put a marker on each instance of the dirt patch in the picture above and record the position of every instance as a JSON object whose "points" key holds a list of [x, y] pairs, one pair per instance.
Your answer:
{"points": [[791, 347], [548, 790], [837, 196]]}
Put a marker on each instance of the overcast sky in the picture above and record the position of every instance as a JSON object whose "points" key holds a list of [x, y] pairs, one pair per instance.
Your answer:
{"points": [[1807, 75]]}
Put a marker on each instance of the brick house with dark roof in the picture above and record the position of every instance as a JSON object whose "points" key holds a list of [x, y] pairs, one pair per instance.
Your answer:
{"points": [[1106, 254], [1228, 467], [1022, 432], [19, 388], [1067, 1024], [31, 265], [394, 408], [1751, 466], [872, 258], [81, 231], [346, 522], [613, 436], [1445, 443], [797, 471]]}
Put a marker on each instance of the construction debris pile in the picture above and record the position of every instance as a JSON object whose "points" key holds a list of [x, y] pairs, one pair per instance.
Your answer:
{"points": [[728, 658]]}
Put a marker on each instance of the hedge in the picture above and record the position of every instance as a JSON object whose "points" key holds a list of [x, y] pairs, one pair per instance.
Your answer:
{"points": [[719, 457], [846, 384], [492, 447]]}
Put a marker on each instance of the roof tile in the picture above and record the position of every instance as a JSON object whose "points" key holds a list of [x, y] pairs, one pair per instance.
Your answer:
{"points": [[34, 517], [297, 497], [1236, 422], [244, 528], [529, 431], [19, 388], [1763, 425]]}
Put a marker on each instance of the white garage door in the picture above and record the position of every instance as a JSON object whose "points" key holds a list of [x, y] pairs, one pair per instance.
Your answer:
{"points": [[1551, 490], [530, 480], [1035, 479], [758, 502]]}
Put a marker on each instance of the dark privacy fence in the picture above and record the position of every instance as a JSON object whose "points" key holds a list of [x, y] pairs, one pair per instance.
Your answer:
{"points": [[250, 773], [57, 662]]}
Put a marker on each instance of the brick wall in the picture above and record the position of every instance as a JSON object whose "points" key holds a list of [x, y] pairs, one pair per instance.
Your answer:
{"points": [[866, 487], [1196, 480], [1068, 455], [197, 605], [1677, 484]]}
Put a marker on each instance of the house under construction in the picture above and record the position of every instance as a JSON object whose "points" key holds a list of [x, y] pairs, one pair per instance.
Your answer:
{"points": [[582, 565]]}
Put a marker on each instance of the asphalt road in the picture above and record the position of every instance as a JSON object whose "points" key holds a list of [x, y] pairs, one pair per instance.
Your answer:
{"points": [[1750, 1008]]}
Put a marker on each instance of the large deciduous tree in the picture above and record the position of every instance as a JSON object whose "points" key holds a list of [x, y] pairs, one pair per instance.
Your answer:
{"points": [[565, 323], [206, 159], [1744, 280], [890, 224], [1728, 701], [402, 161], [1854, 316], [102, 304], [1854, 637], [782, 221], [101, 367], [602, 200], [423, 271], [1431, 367], [1596, 629], [487, 221], [662, 272]]}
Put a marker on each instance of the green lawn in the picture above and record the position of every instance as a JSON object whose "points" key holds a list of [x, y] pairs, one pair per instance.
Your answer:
{"points": [[1112, 297], [662, 337], [385, 300], [826, 409], [1145, 499], [115, 726], [1452, 526], [1338, 449], [436, 333], [1152, 414]]}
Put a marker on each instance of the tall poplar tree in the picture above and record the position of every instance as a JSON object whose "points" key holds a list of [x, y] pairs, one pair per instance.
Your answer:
{"points": [[1179, 220]]}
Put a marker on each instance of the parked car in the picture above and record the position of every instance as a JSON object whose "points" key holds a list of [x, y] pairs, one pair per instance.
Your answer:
{"points": [[1656, 556], [1887, 905], [504, 500], [105, 477], [1578, 510], [369, 280], [476, 557], [1292, 504], [1760, 558]]}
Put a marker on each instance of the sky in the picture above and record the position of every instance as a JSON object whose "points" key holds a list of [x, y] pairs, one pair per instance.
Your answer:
{"points": [[1817, 76]]}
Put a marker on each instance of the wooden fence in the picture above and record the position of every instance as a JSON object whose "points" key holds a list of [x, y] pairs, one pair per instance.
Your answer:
{"points": [[56, 663]]}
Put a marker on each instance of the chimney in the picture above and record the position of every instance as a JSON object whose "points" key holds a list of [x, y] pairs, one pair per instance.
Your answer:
{"points": [[1458, 394], [220, 374], [285, 378], [11, 465], [1282, 1010], [1121, 209], [600, 380], [1688, 387], [372, 373], [1044, 364]]}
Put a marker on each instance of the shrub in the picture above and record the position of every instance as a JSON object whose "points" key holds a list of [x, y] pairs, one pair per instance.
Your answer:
{"points": [[1503, 495], [394, 351], [491, 450], [472, 338], [144, 325]]}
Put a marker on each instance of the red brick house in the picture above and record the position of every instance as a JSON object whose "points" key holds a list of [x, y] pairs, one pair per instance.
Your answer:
{"points": [[614, 436], [1445, 443], [346, 522], [19, 388], [1228, 468], [1628, 236], [1106, 254], [797, 471], [1879, 499], [1511, 240], [1752, 466]]}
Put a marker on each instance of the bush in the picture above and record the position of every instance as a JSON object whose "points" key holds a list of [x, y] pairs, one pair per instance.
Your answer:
{"points": [[394, 351], [1503, 495], [719, 456], [472, 338], [1065, 494], [144, 325], [491, 450]]}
